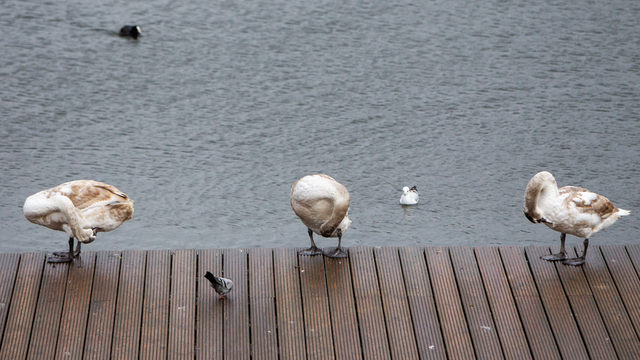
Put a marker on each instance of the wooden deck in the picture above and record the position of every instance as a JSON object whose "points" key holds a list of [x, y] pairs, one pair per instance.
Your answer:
{"points": [[380, 303]]}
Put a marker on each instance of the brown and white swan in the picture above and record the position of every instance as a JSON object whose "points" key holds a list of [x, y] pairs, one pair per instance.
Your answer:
{"points": [[81, 208], [568, 210], [323, 206]]}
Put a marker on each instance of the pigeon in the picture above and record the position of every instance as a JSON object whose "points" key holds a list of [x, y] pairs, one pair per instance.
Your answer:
{"points": [[220, 284]]}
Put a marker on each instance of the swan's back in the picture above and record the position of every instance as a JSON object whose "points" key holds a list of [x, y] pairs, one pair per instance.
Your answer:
{"points": [[318, 200], [99, 204]]}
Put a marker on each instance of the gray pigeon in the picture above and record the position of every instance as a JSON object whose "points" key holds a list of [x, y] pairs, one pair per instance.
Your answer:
{"points": [[220, 284]]}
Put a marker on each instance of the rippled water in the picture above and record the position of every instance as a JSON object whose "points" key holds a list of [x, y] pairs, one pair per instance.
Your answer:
{"points": [[208, 118]]}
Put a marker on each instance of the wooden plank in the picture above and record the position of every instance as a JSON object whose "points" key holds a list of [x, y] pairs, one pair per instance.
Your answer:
{"points": [[155, 312], [445, 290], [210, 310], [19, 322], [128, 319], [46, 323], [291, 337], [102, 306], [556, 305], [626, 276], [619, 326], [503, 307], [375, 344], [315, 307], [534, 319], [262, 305], [344, 321], [475, 304], [8, 272], [73, 324], [182, 310], [402, 339], [236, 306], [585, 309], [422, 304]]}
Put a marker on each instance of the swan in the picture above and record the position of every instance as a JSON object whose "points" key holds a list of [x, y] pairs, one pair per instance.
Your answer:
{"points": [[132, 31], [323, 206], [81, 208], [409, 196], [568, 210]]}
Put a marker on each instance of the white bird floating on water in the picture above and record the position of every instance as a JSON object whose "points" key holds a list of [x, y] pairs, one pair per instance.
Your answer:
{"points": [[409, 196], [221, 285], [568, 210], [323, 206], [81, 208]]}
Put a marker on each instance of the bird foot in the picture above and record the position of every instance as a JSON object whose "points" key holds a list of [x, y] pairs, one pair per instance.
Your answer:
{"points": [[59, 259], [65, 254], [554, 257], [222, 297], [574, 261], [312, 251], [335, 253]]}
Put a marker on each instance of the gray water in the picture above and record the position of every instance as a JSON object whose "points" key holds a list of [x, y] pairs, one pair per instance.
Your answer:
{"points": [[208, 118]]}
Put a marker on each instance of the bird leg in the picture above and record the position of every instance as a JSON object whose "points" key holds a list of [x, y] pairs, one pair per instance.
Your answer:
{"points": [[65, 256], [336, 252], [559, 256], [313, 250], [578, 260]]}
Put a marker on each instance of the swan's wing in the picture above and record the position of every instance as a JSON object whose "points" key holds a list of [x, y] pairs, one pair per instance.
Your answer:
{"points": [[87, 193], [587, 202]]}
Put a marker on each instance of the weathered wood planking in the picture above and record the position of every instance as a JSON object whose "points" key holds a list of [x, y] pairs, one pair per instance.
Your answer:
{"points": [[379, 303]]}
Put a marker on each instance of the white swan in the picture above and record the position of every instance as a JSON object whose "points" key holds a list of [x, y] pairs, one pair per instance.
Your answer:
{"points": [[568, 210], [323, 206], [81, 208], [409, 196]]}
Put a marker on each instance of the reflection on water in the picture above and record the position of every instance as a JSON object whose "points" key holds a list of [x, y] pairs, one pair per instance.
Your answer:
{"points": [[210, 116]]}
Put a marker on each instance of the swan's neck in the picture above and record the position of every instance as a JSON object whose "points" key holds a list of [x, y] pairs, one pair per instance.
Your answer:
{"points": [[548, 198], [541, 195]]}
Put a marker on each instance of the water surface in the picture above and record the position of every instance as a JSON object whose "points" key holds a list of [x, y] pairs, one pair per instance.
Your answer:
{"points": [[208, 118]]}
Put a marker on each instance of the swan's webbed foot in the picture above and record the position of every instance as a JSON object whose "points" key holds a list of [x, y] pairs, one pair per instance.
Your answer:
{"points": [[555, 257], [65, 256], [59, 259], [312, 251], [574, 261], [335, 253]]}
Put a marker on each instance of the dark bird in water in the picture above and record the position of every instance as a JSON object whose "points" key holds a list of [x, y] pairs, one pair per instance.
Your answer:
{"points": [[221, 285], [132, 31]]}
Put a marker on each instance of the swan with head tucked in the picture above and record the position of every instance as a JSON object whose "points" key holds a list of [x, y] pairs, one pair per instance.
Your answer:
{"points": [[409, 196], [323, 206], [568, 210], [81, 208]]}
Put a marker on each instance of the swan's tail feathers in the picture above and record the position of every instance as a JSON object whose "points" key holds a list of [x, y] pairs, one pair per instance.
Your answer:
{"points": [[624, 212]]}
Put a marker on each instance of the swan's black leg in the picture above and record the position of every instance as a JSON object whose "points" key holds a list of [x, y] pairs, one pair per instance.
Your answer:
{"points": [[66, 253], [59, 257], [336, 252], [313, 250], [559, 256], [578, 260]]}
